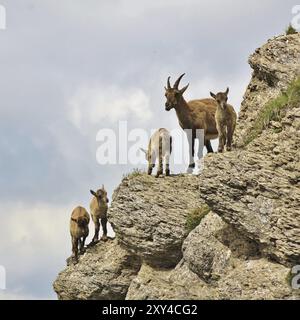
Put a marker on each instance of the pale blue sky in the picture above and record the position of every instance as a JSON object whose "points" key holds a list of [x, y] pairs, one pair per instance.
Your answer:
{"points": [[58, 61]]}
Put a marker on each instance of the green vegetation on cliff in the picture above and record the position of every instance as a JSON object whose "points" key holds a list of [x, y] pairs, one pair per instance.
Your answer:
{"points": [[195, 217], [274, 110]]}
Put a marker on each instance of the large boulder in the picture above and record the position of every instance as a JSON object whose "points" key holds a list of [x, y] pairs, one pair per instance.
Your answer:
{"points": [[103, 273], [218, 263], [149, 215]]}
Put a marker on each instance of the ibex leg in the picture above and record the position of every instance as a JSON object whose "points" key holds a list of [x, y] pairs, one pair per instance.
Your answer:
{"points": [[104, 228], [160, 159]]}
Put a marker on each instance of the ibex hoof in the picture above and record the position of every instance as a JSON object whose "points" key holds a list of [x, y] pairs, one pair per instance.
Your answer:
{"points": [[93, 243], [72, 260], [167, 173], [69, 261], [158, 174], [191, 168], [228, 148], [104, 238]]}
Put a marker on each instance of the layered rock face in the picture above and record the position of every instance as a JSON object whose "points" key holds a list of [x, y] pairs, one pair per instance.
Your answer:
{"points": [[275, 65], [149, 216], [104, 272], [218, 263], [244, 247]]}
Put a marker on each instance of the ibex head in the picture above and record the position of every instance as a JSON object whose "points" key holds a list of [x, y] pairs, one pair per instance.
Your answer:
{"points": [[174, 94], [101, 195], [221, 98]]}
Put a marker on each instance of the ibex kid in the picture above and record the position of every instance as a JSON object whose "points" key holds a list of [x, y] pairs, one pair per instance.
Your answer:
{"points": [[79, 230], [99, 207], [160, 146], [225, 119]]}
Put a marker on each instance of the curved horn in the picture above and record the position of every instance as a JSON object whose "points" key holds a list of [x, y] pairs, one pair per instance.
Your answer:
{"points": [[169, 84], [176, 84], [182, 91]]}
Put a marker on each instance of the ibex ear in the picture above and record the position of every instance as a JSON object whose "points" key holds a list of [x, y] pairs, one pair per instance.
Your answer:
{"points": [[183, 90], [143, 150], [213, 95], [93, 193], [227, 91]]}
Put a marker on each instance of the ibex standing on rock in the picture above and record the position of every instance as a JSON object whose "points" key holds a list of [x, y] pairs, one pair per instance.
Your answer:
{"points": [[99, 209], [193, 115], [79, 229], [225, 119], [160, 146]]}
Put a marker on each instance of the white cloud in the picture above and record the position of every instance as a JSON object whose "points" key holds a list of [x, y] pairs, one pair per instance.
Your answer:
{"points": [[93, 105]]}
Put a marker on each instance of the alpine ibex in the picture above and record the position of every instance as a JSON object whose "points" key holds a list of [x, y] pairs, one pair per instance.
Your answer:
{"points": [[193, 115], [99, 209], [79, 230], [225, 119], [160, 146]]}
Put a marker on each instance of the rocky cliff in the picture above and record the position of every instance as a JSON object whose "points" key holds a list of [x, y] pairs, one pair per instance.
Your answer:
{"points": [[245, 245]]}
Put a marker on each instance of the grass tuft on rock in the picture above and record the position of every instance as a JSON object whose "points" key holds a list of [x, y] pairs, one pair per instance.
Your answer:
{"points": [[195, 216], [273, 110], [290, 30], [134, 173]]}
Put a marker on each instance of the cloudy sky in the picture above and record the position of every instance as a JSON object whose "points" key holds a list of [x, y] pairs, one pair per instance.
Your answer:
{"points": [[72, 68]]}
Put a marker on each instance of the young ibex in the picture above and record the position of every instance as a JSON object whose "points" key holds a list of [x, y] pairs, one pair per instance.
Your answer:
{"points": [[225, 119], [79, 229], [99, 209], [160, 146], [193, 115]]}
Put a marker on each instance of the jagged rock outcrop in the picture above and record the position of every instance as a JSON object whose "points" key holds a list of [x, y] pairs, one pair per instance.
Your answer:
{"points": [[149, 216], [275, 65], [256, 189], [218, 263], [245, 246], [104, 272]]}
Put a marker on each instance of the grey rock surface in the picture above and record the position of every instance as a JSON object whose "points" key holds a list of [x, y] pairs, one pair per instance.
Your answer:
{"points": [[275, 65], [104, 272], [149, 215]]}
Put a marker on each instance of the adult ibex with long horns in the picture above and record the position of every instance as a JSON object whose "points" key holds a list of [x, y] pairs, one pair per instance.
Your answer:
{"points": [[193, 116]]}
